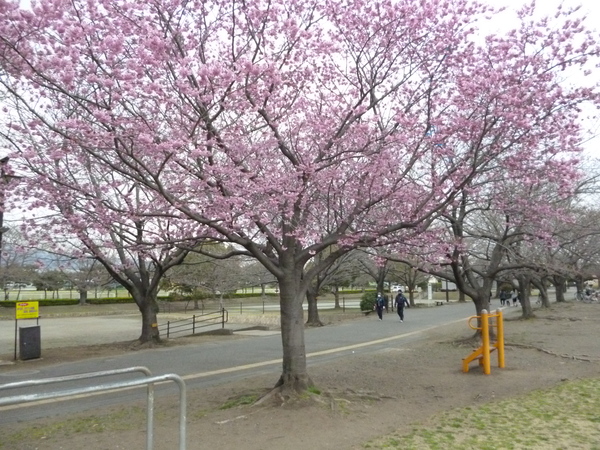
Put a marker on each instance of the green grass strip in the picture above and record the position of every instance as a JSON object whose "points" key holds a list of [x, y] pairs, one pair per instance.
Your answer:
{"points": [[564, 417]]}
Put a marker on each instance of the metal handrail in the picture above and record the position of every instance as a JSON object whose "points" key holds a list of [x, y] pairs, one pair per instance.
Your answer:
{"points": [[80, 376], [193, 323], [149, 382]]}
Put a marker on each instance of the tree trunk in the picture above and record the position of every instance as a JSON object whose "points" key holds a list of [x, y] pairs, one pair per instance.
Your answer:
{"points": [[145, 298], [336, 297], [559, 284], [524, 289], [149, 309], [543, 296], [313, 311], [580, 284], [482, 301], [294, 377], [526, 306], [82, 296]]}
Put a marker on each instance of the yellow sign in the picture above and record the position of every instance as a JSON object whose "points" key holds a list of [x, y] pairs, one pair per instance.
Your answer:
{"points": [[27, 310]]}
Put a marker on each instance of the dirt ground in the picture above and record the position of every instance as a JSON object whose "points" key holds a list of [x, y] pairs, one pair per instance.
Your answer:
{"points": [[361, 398]]}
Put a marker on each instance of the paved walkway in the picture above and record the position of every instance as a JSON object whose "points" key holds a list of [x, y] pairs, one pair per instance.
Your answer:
{"points": [[125, 325], [221, 361], [64, 332]]}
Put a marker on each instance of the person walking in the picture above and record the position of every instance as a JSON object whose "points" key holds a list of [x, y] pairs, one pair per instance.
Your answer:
{"points": [[503, 294], [515, 297], [379, 305], [401, 302]]}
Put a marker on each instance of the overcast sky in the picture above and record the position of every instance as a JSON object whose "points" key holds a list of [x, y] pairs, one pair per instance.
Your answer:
{"points": [[506, 20], [589, 8]]}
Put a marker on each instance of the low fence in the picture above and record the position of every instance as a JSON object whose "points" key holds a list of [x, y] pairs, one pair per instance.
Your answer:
{"points": [[71, 294], [191, 325]]}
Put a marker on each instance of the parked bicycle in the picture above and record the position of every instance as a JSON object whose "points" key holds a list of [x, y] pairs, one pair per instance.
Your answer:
{"points": [[588, 296]]}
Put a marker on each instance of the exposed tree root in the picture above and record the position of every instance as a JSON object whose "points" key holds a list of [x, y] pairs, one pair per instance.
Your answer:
{"points": [[570, 319], [521, 318], [282, 397], [564, 355], [471, 341], [139, 345], [335, 401]]}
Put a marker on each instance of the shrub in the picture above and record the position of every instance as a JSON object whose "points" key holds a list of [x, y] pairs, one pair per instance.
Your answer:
{"points": [[367, 302], [109, 300], [43, 302]]}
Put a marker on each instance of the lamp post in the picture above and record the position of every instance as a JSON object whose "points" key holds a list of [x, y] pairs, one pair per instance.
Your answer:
{"points": [[430, 284]]}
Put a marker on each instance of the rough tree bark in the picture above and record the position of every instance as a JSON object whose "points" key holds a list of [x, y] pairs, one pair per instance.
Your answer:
{"points": [[149, 310], [559, 284], [336, 297], [313, 319], [524, 288], [83, 295], [541, 286], [294, 377]]}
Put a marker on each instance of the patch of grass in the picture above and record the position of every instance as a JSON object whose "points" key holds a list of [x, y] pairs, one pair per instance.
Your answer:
{"points": [[314, 390], [124, 419], [534, 421], [245, 399]]}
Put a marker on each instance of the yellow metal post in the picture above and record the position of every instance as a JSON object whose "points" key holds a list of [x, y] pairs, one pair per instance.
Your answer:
{"points": [[482, 354], [485, 338], [500, 335]]}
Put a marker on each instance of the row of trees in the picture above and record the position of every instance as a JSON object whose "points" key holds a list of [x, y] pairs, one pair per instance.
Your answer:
{"points": [[575, 257], [293, 132], [22, 268], [198, 275]]}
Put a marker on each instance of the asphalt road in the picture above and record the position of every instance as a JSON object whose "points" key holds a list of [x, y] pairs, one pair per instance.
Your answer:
{"points": [[216, 362]]}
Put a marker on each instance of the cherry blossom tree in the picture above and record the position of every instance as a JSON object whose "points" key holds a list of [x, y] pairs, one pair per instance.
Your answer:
{"points": [[289, 128], [91, 215], [79, 211]]}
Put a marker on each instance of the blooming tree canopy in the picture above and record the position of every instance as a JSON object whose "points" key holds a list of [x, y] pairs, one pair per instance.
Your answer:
{"points": [[290, 127]]}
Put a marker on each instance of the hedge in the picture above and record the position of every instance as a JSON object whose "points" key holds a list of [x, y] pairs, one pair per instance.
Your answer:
{"points": [[68, 301]]}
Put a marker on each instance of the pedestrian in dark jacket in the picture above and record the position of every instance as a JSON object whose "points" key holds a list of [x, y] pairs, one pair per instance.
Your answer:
{"points": [[503, 297], [401, 302], [379, 305]]}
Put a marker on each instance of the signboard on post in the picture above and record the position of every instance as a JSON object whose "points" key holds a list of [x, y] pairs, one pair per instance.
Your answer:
{"points": [[27, 310]]}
